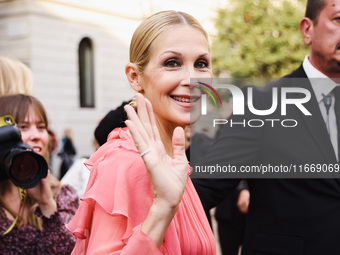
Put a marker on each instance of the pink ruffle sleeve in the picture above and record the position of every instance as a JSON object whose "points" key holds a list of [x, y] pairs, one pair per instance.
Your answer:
{"points": [[117, 200], [119, 185]]}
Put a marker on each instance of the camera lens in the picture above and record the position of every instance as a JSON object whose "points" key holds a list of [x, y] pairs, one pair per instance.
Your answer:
{"points": [[18, 161], [24, 167]]}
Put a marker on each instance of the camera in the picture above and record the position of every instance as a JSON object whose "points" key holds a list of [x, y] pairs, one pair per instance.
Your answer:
{"points": [[18, 161]]}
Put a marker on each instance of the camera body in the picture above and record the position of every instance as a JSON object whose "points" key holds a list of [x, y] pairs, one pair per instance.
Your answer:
{"points": [[18, 161]]}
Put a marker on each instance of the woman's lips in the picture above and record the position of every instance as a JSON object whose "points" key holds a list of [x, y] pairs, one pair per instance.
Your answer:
{"points": [[186, 99]]}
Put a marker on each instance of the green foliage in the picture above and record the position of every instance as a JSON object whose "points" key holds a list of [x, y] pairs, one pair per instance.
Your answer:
{"points": [[258, 38]]}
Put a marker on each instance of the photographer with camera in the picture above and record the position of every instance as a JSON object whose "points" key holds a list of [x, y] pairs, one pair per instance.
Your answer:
{"points": [[31, 223]]}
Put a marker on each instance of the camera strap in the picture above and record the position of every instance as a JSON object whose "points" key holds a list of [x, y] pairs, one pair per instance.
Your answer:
{"points": [[22, 193]]}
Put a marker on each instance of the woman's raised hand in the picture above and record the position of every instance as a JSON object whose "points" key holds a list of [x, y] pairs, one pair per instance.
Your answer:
{"points": [[168, 174]]}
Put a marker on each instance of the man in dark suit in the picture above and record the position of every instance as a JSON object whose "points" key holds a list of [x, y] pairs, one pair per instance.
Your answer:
{"points": [[290, 215]]}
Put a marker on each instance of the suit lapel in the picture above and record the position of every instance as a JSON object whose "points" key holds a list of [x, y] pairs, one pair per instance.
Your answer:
{"points": [[315, 124]]}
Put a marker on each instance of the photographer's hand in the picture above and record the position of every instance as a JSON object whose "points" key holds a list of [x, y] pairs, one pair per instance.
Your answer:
{"points": [[43, 194]]}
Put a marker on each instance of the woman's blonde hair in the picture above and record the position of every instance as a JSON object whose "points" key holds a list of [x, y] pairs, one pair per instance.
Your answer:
{"points": [[18, 106], [15, 77], [151, 28]]}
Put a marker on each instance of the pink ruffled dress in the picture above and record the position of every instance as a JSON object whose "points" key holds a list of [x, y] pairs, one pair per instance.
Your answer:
{"points": [[117, 200]]}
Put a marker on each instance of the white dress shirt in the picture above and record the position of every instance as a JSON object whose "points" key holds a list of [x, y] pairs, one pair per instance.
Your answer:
{"points": [[322, 86]]}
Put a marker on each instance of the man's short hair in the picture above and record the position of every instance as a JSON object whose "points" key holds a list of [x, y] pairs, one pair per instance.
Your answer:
{"points": [[313, 9]]}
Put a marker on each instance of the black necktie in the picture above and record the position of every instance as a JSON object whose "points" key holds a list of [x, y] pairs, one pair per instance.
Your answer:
{"points": [[336, 92]]}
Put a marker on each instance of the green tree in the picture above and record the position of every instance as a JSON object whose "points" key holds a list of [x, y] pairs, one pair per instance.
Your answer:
{"points": [[258, 38]]}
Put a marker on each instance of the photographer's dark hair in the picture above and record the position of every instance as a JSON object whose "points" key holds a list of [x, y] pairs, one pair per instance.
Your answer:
{"points": [[313, 9]]}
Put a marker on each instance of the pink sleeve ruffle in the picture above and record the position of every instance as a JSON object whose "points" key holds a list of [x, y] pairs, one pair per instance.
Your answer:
{"points": [[118, 183]]}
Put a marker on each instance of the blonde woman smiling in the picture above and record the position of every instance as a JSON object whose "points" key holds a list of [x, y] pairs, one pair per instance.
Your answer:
{"points": [[142, 201]]}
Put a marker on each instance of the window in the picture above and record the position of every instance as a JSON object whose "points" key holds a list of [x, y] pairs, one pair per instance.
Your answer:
{"points": [[86, 73]]}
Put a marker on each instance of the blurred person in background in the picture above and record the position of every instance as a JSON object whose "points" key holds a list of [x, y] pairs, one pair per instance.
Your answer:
{"points": [[15, 77], [113, 119], [66, 152]]}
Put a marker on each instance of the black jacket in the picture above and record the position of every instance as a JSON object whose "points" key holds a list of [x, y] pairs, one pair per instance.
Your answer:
{"points": [[286, 216]]}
